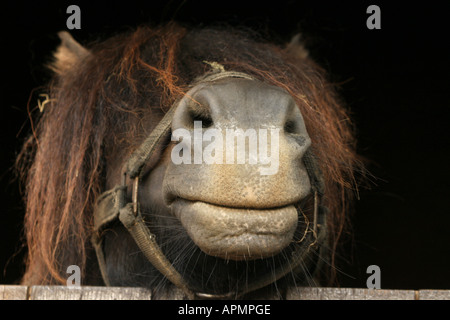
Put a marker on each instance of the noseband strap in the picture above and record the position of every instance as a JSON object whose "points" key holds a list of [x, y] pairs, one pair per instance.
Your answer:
{"points": [[113, 205]]}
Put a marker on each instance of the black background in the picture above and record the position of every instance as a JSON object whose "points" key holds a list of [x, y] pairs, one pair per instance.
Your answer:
{"points": [[394, 80]]}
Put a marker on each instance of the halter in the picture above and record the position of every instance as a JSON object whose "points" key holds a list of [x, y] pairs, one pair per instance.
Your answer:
{"points": [[113, 205]]}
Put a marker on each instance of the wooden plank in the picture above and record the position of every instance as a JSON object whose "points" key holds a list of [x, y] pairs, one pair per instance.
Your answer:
{"points": [[175, 294], [348, 294], [88, 293], [116, 293], [11, 292], [434, 294], [54, 293]]}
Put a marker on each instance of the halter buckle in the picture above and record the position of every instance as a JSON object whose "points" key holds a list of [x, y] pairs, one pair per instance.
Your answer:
{"points": [[134, 191]]}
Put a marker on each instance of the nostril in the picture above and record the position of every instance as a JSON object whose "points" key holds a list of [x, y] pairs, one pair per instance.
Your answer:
{"points": [[200, 115], [293, 129], [290, 127]]}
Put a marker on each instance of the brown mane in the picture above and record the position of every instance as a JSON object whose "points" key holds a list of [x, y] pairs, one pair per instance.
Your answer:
{"points": [[102, 109]]}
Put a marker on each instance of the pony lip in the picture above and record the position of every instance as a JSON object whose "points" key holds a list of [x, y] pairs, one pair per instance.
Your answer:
{"points": [[237, 233]]}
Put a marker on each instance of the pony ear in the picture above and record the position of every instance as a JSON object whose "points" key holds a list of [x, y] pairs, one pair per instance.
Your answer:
{"points": [[70, 53], [296, 47]]}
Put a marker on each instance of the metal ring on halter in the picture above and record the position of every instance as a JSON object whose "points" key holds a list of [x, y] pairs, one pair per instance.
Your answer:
{"points": [[134, 195]]}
